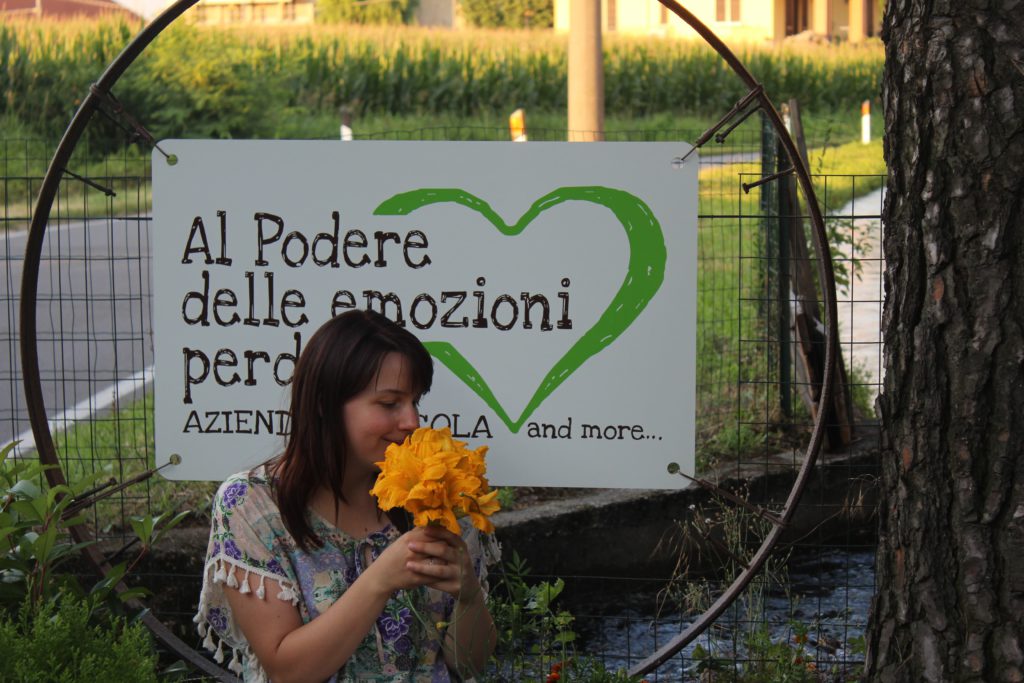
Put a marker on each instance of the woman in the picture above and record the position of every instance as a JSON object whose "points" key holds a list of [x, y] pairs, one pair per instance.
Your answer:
{"points": [[306, 579]]}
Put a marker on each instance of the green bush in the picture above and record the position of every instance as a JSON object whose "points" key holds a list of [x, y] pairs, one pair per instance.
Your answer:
{"points": [[364, 12], [50, 628], [509, 13], [61, 642]]}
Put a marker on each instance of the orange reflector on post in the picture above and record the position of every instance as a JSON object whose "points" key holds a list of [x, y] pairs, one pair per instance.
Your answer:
{"points": [[517, 126]]}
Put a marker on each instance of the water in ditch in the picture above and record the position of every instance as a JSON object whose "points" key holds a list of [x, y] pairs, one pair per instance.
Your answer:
{"points": [[816, 621]]}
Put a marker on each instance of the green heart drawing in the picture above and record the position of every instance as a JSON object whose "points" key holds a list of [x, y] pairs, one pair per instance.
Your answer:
{"points": [[644, 275]]}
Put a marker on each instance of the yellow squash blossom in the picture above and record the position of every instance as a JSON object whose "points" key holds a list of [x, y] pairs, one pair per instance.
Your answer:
{"points": [[436, 479]]}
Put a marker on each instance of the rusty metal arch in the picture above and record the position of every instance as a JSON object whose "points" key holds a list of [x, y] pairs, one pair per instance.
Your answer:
{"points": [[827, 279], [100, 92]]}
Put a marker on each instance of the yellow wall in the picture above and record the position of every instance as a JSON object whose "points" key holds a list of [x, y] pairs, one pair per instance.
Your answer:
{"points": [[644, 17], [259, 12], [760, 20]]}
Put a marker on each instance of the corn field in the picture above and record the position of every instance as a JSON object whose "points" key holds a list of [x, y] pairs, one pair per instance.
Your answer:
{"points": [[202, 82]]}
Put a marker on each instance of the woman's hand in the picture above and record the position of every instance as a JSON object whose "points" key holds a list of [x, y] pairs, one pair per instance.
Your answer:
{"points": [[443, 560], [425, 556], [470, 636], [433, 556]]}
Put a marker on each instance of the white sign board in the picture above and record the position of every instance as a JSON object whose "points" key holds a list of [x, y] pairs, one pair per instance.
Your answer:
{"points": [[554, 283]]}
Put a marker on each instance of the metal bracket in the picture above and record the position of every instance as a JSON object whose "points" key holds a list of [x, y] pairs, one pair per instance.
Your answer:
{"points": [[91, 183], [741, 106], [747, 187], [109, 489], [117, 113]]}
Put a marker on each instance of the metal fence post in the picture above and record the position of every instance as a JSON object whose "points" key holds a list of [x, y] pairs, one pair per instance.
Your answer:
{"points": [[775, 259]]}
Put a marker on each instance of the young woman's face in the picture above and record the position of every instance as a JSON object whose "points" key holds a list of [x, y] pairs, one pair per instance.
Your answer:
{"points": [[383, 413]]}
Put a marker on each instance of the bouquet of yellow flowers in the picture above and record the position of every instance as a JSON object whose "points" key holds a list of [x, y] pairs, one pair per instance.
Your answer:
{"points": [[436, 479]]}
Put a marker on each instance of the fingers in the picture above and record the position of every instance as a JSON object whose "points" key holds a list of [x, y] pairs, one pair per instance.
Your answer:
{"points": [[436, 573], [439, 550], [438, 558], [432, 566], [442, 534]]}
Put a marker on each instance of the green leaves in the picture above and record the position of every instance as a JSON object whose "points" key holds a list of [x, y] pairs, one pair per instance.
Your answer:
{"points": [[361, 12], [151, 529], [530, 630], [35, 539], [509, 13]]}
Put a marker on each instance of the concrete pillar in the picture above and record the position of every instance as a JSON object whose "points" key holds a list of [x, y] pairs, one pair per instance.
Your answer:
{"points": [[586, 72], [858, 25]]}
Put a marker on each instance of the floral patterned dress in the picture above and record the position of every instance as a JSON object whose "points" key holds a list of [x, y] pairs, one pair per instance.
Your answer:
{"points": [[248, 538]]}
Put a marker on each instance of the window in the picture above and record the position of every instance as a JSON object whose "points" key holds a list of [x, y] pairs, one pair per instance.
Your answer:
{"points": [[664, 14], [613, 16], [727, 10], [288, 12]]}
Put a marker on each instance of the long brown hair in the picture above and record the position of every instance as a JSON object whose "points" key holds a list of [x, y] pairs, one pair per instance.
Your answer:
{"points": [[338, 362]]}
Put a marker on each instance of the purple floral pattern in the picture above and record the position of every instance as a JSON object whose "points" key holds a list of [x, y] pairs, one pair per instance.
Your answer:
{"points": [[393, 627], [403, 645], [234, 494], [231, 550], [218, 620], [249, 536]]}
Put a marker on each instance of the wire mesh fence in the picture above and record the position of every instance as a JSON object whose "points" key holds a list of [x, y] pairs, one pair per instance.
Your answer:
{"points": [[803, 615]]}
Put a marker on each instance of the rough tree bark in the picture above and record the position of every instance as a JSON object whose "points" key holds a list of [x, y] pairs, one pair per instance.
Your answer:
{"points": [[949, 603]]}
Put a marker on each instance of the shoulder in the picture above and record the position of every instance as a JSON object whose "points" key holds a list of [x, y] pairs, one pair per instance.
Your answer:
{"points": [[244, 491]]}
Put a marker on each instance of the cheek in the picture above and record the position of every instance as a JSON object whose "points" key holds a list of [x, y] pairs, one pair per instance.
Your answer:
{"points": [[367, 424]]}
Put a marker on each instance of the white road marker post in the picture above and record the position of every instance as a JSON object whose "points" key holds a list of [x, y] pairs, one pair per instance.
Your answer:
{"points": [[865, 122], [346, 124]]}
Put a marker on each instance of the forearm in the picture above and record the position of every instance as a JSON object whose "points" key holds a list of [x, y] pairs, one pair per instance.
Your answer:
{"points": [[317, 650], [320, 648], [470, 637]]}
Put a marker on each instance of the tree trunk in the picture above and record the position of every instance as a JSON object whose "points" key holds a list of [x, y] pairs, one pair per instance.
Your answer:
{"points": [[949, 603]]}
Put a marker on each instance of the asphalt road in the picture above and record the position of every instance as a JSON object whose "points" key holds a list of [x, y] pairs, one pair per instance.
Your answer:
{"points": [[94, 332]]}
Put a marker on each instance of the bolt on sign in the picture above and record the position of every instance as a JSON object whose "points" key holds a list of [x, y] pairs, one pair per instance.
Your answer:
{"points": [[553, 283]]}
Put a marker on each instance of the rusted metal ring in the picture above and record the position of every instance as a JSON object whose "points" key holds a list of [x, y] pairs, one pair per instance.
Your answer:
{"points": [[29, 291], [827, 278], [30, 359]]}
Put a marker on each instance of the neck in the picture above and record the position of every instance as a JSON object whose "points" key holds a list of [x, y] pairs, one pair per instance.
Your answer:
{"points": [[357, 515], [356, 487]]}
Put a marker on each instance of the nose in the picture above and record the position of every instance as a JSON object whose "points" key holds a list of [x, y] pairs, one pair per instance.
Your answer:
{"points": [[409, 419]]}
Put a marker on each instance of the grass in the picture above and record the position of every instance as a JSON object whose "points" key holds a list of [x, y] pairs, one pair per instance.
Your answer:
{"points": [[121, 443], [827, 128], [24, 158], [732, 392]]}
